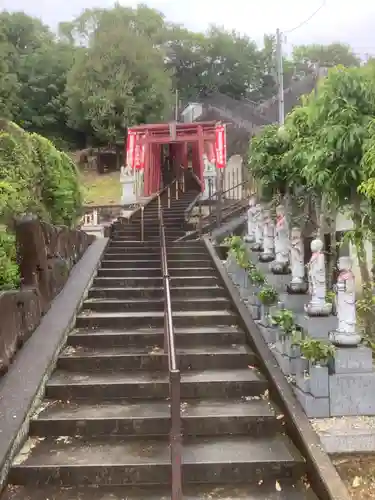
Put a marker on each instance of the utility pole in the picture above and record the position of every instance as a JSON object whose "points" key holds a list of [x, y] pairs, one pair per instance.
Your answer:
{"points": [[176, 107], [280, 75]]}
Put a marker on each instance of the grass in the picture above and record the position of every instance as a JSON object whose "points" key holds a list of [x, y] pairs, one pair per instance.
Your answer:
{"points": [[102, 189], [358, 472]]}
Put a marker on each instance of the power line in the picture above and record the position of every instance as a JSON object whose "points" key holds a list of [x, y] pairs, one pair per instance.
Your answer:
{"points": [[308, 19]]}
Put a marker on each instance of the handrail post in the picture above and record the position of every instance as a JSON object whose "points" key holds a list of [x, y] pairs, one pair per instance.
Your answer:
{"points": [[176, 190], [175, 437], [169, 196], [183, 181], [159, 205], [142, 224]]}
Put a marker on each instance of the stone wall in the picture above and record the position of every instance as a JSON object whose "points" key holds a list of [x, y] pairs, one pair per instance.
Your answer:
{"points": [[46, 256]]}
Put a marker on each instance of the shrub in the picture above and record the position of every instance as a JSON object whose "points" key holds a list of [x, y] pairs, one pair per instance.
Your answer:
{"points": [[9, 271]]}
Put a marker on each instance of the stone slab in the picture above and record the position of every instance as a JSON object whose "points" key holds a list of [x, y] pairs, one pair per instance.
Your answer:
{"points": [[24, 383], [319, 382], [314, 407], [352, 394], [346, 434], [353, 360], [317, 328]]}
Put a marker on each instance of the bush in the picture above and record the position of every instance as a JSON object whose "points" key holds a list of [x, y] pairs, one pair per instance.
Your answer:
{"points": [[9, 271], [34, 177]]}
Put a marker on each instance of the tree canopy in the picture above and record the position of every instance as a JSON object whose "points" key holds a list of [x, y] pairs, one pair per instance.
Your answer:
{"points": [[111, 68]]}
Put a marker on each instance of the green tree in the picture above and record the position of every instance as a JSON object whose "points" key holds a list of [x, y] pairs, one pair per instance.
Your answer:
{"points": [[120, 79], [328, 56]]}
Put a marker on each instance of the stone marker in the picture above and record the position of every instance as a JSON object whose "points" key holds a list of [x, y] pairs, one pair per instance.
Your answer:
{"points": [[127, 179], [258, 223], [318, 306], [268, 254], [281, 264], [250, 236], [346, 333], [297, 263]]}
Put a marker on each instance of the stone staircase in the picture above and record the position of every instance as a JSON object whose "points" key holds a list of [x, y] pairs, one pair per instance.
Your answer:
{"points": [[102, 431]]}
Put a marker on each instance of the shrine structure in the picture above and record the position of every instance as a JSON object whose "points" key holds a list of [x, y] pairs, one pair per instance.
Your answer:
{"points": [[157, 152]]}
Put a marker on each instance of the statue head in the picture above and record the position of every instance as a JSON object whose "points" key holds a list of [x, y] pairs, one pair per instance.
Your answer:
{"points": [[252, 200], [345, 264], [295, 233], [316, 246]]}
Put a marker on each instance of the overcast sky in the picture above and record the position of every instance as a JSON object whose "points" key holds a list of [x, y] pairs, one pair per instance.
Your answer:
{"points": [[339, 20]]}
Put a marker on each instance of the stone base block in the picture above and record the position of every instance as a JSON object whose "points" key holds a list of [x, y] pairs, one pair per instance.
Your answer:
{"points": [[303, 382], [314, 407], [319, 381], [283, 361], [254, 310], [352, 360], [269, 334], [352, 394]]}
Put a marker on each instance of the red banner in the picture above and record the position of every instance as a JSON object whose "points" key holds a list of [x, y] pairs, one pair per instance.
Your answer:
{"points": [[130, 148], [220, 146]]}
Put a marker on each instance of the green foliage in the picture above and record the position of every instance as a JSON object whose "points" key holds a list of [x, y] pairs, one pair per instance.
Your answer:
{"points": [[267, 151], [59, 187], [284, 319], [268, 295], [328, 56], [9, 271], [256, 277], [316, 351]]}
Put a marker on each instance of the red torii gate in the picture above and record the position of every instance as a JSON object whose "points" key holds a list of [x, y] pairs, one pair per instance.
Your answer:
{"points": [[146, 150]]}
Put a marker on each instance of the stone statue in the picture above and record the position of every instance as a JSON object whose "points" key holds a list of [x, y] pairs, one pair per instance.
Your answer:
{"points": [[250, 237], [317, 282], [126, 174], [268, 254], [346, 333], [127, 179], [297, 263], [281, 264], [258, 225]]}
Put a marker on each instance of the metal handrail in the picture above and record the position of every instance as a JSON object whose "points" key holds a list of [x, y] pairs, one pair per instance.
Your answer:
{"points": [[174, 372]]}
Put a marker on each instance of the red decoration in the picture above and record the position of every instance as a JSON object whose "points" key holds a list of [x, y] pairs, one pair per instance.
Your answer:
{"points": [[220, 146]]}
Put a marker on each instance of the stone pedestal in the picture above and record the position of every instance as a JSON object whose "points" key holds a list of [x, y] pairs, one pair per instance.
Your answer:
{"points": [[268, 254], [281, 264], [250, 236], [352, 382], [346, 333], [297, 264]]}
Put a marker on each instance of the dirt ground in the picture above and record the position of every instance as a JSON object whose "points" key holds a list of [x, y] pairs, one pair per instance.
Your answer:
{"points": [[358, 472]]}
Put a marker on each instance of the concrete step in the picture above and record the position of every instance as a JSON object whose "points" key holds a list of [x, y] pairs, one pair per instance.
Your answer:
{"points": [[131, 320], [140, 282], [119, 359], [201, 292], [157, 305], [145, 337], [130, 261], [154, 272], [115, 461], [210, 384], [290, 490], [152, 418]]}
